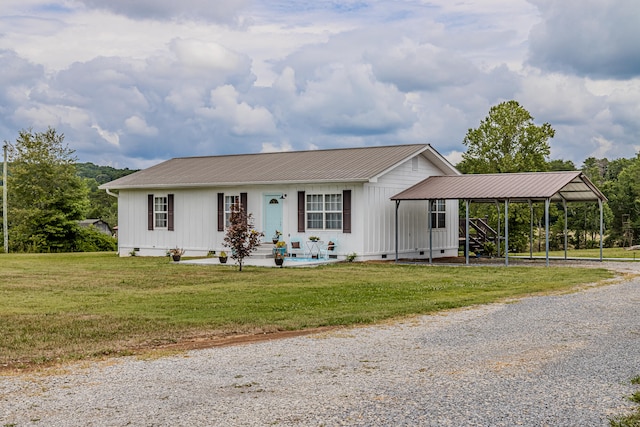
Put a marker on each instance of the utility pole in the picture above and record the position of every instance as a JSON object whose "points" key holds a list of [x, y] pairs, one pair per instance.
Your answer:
{"points": [[5, 225]]}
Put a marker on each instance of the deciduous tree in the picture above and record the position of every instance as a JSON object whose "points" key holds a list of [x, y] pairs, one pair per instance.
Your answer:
{"points": [[507, 140], [46, 197], [240, 236]]}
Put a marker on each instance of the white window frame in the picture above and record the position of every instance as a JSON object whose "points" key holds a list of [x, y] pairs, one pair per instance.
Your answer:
{"points": [[229, 201], [161, 211], [438, 213], [324, 211]]}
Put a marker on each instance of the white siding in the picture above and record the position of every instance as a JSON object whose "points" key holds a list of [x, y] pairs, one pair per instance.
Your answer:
{"points": [[372, 217], [413, 236]]}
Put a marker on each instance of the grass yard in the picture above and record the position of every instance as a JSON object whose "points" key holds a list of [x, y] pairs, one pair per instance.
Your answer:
{"points": [[61, 307], [589, 253]]}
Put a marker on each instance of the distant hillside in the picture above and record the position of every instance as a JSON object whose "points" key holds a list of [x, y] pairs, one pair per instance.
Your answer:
{"points": [[101, 174]]}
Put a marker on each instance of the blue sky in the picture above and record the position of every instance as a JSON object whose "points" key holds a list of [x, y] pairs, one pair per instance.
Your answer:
{"points": [[133, 83]]}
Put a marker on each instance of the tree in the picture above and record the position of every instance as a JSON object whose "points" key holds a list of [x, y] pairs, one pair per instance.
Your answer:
{"points": [[561, 165], [46, 197], [624, 198], [240, 236], [101, 205], [507, 140]]}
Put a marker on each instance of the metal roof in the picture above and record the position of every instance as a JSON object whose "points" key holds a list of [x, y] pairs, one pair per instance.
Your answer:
{"points": [[571, 186], [337, 165]]}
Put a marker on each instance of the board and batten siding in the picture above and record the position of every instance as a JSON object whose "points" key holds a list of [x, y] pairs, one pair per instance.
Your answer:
{"points": [[413, 235], [194, 221], [345, 242]]}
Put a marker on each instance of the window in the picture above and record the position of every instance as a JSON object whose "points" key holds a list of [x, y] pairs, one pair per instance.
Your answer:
{"points": [[438, 213], [229, 201], [161, 211], [324, 211]]}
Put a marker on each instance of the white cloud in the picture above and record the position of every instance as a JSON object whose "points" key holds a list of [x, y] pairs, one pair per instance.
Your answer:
{"points": [[138, 126], [286, 75], [242, 118], [596, 38], [218, 11], [454, 157], [207, 56], [270, 147], [111, 137]]}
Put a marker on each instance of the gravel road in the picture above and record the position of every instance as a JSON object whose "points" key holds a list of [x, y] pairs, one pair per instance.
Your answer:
{"points": [[558, 360]]}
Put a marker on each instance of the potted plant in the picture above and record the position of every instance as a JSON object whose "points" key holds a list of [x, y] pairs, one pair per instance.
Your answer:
{"points": [[279, 259], [276, 237], [223, 257], [314, 238], [281, 248], [176, 253]]}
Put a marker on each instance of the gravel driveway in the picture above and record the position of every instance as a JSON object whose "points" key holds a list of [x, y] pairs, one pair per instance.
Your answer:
{"points": [[559, 360]]}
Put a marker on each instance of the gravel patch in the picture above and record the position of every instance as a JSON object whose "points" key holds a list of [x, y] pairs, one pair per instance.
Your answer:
{"points": [[556, 360]]}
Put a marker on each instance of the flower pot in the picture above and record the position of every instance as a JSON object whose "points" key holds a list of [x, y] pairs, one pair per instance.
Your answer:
{"points": [[222, 259], [176, 258], [279, 261], [274, 241]]}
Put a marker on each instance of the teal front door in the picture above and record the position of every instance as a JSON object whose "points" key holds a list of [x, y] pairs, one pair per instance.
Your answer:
{"points": [[272, 215]]}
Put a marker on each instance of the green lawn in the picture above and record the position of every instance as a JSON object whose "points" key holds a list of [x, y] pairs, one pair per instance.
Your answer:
{"points": [[75, 306], [589, 253]]}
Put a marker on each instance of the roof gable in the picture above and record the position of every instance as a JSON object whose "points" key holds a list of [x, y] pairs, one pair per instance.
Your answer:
{"points": [[337, 165]]}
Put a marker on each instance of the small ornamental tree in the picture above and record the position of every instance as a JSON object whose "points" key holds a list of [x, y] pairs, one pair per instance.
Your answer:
{"points": [[241, 237]]}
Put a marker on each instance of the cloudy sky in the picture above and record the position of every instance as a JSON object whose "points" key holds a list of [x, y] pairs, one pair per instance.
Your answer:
{"points": [[134, 82]]}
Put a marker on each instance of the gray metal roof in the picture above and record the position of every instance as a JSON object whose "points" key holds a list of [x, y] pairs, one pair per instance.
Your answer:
{"points": [[337, 165], [571, 186]]}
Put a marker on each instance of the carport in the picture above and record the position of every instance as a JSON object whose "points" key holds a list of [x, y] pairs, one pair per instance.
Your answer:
{"points": [[562, 187]]}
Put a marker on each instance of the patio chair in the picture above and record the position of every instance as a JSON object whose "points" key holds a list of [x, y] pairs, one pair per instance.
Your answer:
{"points": [[329, 248], [296, 247]]}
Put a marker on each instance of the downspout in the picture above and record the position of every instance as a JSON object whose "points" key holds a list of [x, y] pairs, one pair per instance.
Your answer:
{"points": [[110, 193]]}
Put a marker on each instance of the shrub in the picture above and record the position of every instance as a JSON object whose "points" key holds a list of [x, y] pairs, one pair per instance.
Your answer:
{"points": [[90, 239]]}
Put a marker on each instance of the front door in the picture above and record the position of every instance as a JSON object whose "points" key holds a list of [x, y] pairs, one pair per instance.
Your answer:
{"points": [[272, 215]]}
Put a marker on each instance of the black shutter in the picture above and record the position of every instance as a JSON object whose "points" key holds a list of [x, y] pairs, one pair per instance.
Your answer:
{"points": [[346, 211], [301, 212], [170, 212], [243, 203], [220, 211], [150, 212]]}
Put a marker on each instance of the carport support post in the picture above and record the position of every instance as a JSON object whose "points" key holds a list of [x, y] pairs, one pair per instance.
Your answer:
{"points": [[397, 206], [546, 229], [531, 230], [430, 232], [466, 232], [506, 232], [566, 234], [601, 226], [499, 238]]}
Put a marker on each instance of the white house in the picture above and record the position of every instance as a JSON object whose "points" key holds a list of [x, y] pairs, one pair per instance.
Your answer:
{"points": [[339, 195]]}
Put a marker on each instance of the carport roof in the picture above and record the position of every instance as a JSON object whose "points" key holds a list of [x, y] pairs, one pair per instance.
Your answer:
{"points": [[572, 186]]}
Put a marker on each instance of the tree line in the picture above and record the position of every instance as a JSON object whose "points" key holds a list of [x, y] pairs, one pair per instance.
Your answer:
{"points": [[508, 141], [50, 191]]}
